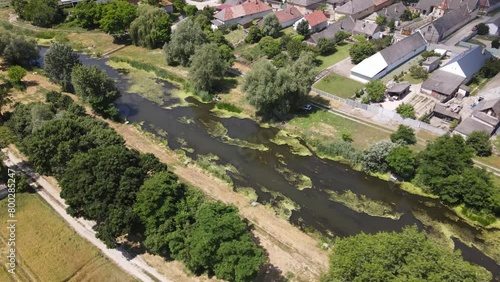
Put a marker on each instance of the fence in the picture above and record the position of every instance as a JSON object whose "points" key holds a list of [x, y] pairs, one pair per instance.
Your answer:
{"points": [[416, 124]]}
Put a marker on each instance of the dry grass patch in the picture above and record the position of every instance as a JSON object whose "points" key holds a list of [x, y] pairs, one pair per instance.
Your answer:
{"points": [[50, 250], [103, 42]]}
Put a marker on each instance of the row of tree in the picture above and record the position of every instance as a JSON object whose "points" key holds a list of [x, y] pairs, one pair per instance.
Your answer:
{"points": [[444, 168], [128, 193], [44, 13], [17, 49]]}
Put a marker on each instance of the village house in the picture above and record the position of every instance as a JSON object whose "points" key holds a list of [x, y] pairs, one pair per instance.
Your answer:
{"points": [[305, 6], [358, 9], [394, 11], [442, 27], [431, 63], [288, 16], [486, 6], [485, 117], [317, 21], [438, 8], [444, 83], [241, 14], [346, 24], [167, 6], [368, 29], [378, 65], [398, 91]]}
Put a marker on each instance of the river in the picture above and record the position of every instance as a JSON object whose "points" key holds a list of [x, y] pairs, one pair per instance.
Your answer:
{"points": [[190, 128]]}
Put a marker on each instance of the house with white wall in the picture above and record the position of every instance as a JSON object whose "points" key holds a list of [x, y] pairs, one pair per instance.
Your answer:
{"points": [[247, 11], [383, 62], [317, 21]]}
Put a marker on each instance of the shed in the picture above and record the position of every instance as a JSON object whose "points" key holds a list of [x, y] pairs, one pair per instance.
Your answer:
{"points": [[398, 90]]}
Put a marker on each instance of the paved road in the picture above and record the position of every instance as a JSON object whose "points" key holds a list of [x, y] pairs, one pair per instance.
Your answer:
{"points": [[133, 265], [464, 31]]}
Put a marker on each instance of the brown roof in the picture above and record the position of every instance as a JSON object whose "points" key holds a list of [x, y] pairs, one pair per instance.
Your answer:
{"points": [[380, 2], [288, 14], [249, 7], [315, 18]]}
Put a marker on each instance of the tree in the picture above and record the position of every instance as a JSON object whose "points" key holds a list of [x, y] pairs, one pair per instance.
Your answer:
{"points": [[447, 155], [360, 51], [227, 54], [490, 68], [179, 5], [405, 256], [404, 135], [269, 46], [186, 37], [295, 47], [340, 36], [407, 15], [59, 62], [18, 50], [190, 10], [278, 91], [151, 2], [93, 86], [43, 13], [402, 162], [117, 17], [381, 20], [87, 14], [326, 46], [391, 24], [151, 29], [254, 35], [381, 43], [207, 66], [495, 43], [375, 91], [303, 28], [482, 29], [374, 158], [19, 7], [4, 98], [231, 254], [271, 26], [16, 74], [406, 110], [480, 142], [418, 72]]}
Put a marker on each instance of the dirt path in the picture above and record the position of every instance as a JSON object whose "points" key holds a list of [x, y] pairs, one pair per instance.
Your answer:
{"points": [[133, 265]]}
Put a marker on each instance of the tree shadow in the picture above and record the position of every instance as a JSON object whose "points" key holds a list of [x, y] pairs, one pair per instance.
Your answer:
{"points": [[30, 83], [225, 85]]}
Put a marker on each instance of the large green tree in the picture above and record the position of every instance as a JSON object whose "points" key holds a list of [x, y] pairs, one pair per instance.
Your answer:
{"points": [[93, 86], [278, 91], [185, 39], [375, 91], [43, 13], [360, 51], [151, 29], [207, 66], [374, 158], [402, 161], [303, 28], [18, 50], [406, 110], [404, 135], [480, 142], [88, 13], [405, 256], [59, 62], [271, 26], [117, 17]]}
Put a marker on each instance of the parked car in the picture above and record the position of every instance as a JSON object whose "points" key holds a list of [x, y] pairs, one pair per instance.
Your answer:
{"points": [[307, 107]]}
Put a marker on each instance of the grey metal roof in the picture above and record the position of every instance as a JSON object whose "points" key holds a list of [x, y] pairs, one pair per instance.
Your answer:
{"points": [[443, 82], [398, 88], [443, 110], [452, 4], [354, 7], [485, 118], [471, 124], [345, 24], [402, 48], [489, 104]]}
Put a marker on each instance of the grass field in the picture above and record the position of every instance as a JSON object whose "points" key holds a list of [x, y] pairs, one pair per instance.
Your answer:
{"points": [[342, 53], [326, 125], [339, 85], [411, 80], [49, 250]]}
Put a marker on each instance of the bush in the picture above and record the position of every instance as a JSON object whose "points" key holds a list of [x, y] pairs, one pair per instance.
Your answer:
{"points": [[337, 148], [418, 72], [404, 135], [480, 142], [228, 107], [374, 158], [483, 29], [495, 43], [406, 110]]}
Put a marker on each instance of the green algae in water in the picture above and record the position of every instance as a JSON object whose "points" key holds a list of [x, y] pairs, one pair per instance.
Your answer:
{"points": [[300, 181], [361, 204]]}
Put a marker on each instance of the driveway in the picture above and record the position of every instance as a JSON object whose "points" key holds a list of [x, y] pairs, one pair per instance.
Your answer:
{"points": [[464, 31]]}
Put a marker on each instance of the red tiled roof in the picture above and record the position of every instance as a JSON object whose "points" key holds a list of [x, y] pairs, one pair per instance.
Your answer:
{"points": [[315, 18], [250, 7], [222, 7], [288, 14]]}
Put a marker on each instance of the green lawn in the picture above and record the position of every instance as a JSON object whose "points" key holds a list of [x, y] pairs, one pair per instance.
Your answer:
{"points": [[235, 36], [339, 85], [342, 53], [411, 80]]}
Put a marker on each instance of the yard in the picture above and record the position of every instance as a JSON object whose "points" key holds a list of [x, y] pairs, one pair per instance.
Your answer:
{"points": [[49, 250], [341, 54], [339, 85], [407, 77]]}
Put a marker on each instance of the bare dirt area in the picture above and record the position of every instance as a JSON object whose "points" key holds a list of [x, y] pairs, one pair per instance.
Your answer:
{"points": [[289, 249]]}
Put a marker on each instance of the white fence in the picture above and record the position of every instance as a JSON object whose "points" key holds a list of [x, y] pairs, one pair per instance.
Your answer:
{"points": [[416, 124]]}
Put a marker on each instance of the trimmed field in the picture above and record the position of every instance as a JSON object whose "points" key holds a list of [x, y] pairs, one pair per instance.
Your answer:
{"points": [[49, 250], [326, 61], [339, 85], [326, 125]]}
